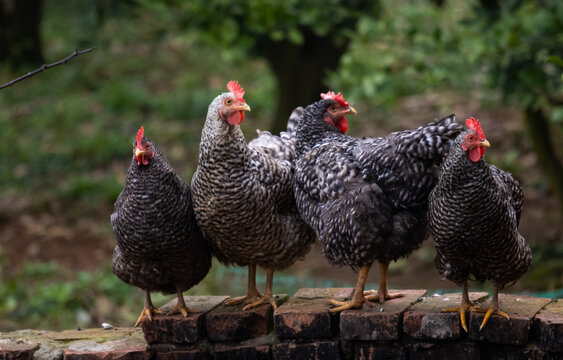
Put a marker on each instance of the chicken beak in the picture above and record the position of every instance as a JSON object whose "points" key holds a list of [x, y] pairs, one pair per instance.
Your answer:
{"points": [[242, 107], [485, 143], [351, 111], [138, 152]]}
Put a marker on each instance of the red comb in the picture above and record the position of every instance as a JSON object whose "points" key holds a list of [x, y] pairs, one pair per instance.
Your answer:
{"points": [[337, 97], [236, 90], [474, 125], [140, 135]]}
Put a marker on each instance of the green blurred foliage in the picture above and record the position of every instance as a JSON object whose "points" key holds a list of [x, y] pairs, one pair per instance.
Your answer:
{"points": [[241, 24]]}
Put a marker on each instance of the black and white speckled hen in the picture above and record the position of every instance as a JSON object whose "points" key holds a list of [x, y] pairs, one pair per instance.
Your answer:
{"points": [[243, 198], [159, 245], [366, 198], [474, 212], [283, 146]]}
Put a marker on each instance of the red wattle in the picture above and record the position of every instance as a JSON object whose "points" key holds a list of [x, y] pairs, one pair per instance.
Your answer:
{"points": [[476, 153], [235, 117], [343, 125]]}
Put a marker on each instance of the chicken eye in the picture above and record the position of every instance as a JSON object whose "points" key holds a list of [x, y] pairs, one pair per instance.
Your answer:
{"points": [[470, 138], [228, 101], [332, 108]]}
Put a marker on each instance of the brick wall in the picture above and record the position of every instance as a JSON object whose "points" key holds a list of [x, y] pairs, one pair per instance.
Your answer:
{"points": [[411, 327]]}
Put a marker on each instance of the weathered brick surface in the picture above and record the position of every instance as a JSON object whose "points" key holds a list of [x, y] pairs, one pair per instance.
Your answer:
{"points": [[242, 352], [380, 322], [114, 354], [459, 351], [231, 323], [306, 315], [194, 354], [499, 330], [548, 325], [256, 348], [364, 350], [424, 320], [178, 329], [176, 352], [508, 352], [315, 350], [13, 350]]}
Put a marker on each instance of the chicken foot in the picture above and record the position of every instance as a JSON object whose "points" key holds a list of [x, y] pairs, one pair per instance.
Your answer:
{"points": [[180, 307], [493, 309], [148, 309], [252, 294], [268, 297], [382, 293], [358, 298], [465, 306]]}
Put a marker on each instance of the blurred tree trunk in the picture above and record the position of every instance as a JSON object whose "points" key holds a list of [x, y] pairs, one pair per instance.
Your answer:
{"points": [[537, 127], [300, 70], [20, 41]]}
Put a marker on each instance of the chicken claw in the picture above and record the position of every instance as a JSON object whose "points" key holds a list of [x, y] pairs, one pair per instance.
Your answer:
{"points": [[147, 312], [381, 295], [264, 299]]}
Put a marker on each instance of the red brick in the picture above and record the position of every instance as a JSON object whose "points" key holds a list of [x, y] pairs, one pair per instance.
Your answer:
{"points": [[364, 350], [425, 319], [231, 323], [176, 352], [178, 329], [17, 350], [380, 322], [515, 331], [242, 352], [458, 351], [130, 354], [549, 326], [306, 314], [508, 352], [317, 350], [194, 354]]}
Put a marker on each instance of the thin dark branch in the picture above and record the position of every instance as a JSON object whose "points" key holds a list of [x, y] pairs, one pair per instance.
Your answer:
{"points": [[45, 67]]}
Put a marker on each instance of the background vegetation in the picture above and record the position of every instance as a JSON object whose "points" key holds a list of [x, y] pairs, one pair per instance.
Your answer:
{"points": [[65, 134]]}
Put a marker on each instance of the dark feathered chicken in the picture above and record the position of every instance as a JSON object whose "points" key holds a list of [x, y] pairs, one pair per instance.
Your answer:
{"points": [[366, 199], [159, 245], [474, 213], [243, 198], [281, 147]]}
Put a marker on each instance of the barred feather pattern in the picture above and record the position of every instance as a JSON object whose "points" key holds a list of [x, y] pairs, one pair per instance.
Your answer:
{"points": [[244, 201], [474, 213], [283, 146], [159, 245], [367, 198]]}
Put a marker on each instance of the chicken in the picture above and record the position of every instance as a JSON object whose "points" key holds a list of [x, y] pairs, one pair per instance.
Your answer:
{"points": [[474, 212], [159, 245], [243, 199], [281, 147], [366, 199]]}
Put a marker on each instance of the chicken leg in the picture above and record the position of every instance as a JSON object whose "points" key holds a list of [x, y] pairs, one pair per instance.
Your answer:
{"points": [[465, 306], [148, 309], [358, 298], [180, 305], [268, 296], [252, 293], [382, 293], [493, 308]]}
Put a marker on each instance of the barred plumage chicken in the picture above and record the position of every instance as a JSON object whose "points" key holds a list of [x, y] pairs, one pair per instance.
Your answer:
{"points": [[159, 245], [366, 198], [283, 146], [474, 213], [243, 198]]}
